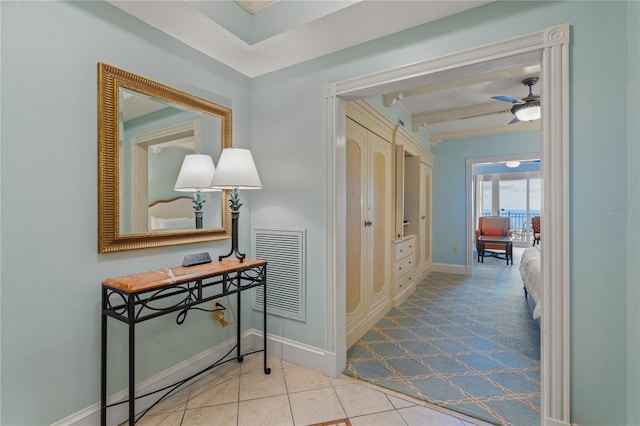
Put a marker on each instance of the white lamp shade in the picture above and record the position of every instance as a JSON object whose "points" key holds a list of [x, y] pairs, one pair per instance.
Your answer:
{"points": [[236, 170], [528, 112], [195, 174]]}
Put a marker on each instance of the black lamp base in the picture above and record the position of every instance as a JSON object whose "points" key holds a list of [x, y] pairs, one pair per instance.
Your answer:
{"points": [[234, 239]]}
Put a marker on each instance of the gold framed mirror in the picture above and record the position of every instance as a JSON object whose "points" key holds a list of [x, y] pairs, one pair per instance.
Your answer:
{"points": [[144, 131]]}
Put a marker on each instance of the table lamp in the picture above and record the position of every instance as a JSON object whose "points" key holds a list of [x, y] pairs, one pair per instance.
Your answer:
{"points": [[236, 170], [195, 176]]}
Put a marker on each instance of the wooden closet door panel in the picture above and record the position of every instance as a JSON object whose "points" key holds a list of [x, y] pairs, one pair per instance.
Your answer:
{"points": [[355, 175], [369, 226], [426, 213], [378, 217], [379, 214]]}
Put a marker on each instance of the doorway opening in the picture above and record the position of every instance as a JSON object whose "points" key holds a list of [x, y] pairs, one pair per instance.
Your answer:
{"points": [[551, 46]]}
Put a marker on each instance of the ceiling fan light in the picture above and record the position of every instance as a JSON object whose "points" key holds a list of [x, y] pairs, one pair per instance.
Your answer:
{"points": [[528, 111]]}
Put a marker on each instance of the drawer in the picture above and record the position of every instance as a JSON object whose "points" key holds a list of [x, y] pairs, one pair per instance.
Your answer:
{"points": [[405, 265], [401, 284], [405, 248]]}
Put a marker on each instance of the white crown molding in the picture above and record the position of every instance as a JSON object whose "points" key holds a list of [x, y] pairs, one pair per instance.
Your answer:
{"points": [[355, 24], [252, 6], [391, 99]]}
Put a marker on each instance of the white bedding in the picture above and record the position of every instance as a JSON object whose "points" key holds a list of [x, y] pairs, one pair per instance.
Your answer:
{"points": [[159, 223], [532, 277], [176, 213]]}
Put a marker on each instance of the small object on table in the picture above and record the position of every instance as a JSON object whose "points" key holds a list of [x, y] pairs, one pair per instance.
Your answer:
{"points": [[196, 259]]}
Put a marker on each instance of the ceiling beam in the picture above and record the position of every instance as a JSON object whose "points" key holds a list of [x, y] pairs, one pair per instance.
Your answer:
{"points": [[391, 98], [421, 121], [521, 126]]}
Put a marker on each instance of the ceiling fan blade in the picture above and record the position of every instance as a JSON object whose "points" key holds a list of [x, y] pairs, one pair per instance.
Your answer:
{"points": [[515, 120], [507, 99]]}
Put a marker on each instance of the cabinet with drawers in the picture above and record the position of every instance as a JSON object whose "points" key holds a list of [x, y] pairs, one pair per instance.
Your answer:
{"points": [[413, 165], [405, 268]]}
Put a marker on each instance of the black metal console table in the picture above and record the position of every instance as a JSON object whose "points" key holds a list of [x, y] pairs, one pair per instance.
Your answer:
{"points": [[140, 297]]}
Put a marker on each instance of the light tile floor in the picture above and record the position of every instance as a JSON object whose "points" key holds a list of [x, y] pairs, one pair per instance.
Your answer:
{"points": [[241, 394]]}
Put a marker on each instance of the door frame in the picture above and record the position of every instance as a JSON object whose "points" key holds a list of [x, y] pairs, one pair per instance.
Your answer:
{"points": [[553, 45]]}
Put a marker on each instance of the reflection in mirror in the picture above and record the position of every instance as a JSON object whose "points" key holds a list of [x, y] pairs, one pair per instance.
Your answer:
{"points": [[148, 128], [155, 137]]}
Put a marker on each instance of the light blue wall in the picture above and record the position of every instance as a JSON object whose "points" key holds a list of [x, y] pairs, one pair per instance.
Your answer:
{"points": [[633, 248], [449, 205], [51, 269], [598, 279], [163, 172], [50, 306]]}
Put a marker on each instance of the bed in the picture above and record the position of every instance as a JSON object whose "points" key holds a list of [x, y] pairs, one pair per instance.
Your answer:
{"points": [[532, 278], [175, 213]]}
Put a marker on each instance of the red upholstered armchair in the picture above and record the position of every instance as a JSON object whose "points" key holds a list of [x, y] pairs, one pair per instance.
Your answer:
{"points": [[494, 226], [535, 225]]}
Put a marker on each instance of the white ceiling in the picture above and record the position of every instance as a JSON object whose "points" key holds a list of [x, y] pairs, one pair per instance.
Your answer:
{"points": [[258, 37], [463, 106]]}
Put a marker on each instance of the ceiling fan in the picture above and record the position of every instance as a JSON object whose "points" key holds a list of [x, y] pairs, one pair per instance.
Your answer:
{"points": [[525, 109]]}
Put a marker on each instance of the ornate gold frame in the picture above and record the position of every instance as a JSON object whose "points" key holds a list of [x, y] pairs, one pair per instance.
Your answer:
{"points": [[110, 79]]}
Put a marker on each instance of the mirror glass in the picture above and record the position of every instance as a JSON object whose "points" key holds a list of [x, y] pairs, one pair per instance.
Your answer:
{"points": [[145, 131], [155, 137]]}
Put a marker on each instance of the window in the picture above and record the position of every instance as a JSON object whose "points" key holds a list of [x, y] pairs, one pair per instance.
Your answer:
{"points": [[513, 194]]}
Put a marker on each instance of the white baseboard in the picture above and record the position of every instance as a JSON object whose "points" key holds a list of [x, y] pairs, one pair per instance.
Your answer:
{"points": [[426, 267], [423, 273], [297, 353], [411, 287], [405, 293], [554, 422], [288, 350], [449, 268], [356, 330]]}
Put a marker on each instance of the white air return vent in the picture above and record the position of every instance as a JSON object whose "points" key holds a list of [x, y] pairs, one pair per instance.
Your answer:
{"points": [[284, 250]]}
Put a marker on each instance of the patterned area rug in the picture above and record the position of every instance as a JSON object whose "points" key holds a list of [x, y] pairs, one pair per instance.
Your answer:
{"points": [[466, 343]]}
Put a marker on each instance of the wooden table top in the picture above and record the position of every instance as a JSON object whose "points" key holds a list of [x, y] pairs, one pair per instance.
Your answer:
{"points": [[136, 283]]}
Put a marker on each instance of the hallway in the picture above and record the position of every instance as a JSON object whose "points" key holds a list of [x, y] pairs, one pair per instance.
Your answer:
{"points": [[468, 343]]}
